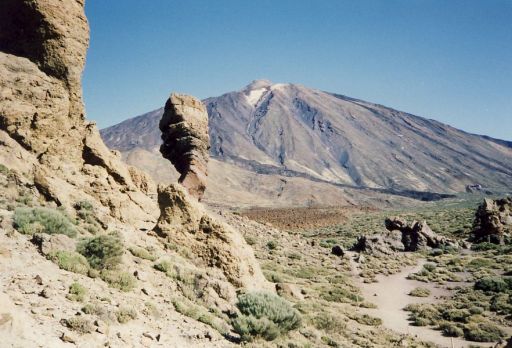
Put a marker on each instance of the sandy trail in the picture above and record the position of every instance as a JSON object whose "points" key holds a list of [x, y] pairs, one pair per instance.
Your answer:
{"points": [[390, 294]]}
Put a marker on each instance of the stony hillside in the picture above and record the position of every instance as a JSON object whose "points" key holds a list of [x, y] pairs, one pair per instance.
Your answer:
{"points": [[294, 131], [80, 231]]}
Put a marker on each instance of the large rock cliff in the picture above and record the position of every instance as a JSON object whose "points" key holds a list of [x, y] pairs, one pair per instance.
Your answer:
{"points": [[44, 135], [48, 145]]}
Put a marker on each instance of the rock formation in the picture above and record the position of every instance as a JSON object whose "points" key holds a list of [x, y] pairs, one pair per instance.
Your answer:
{"points": [[402, 236], [49, 151], [184, 127], [184, 222], [493, 221], [44, 137]]}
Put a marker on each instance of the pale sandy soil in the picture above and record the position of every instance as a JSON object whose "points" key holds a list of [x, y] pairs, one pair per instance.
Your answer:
{"points": [[390, 294]]}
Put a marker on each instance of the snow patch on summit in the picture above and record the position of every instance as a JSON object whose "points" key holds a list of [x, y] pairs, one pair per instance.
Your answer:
{"points": [[255, 95]]}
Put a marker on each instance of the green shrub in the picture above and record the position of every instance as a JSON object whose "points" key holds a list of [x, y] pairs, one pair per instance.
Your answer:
{"points": [[264, 315], [429, 267], [423, 314], [70, 261], [476, 310], [484, 246], [165, 267], [250, 240], [142, 253], [330, 342], [45, 220], [250, 327], [76, 292], [420, 292], [272, 244], [365, 319], [94, 309], [328, 323], [436, 252], [4, 170], [117, 279], [328, 243], [493, 284], [502, 304], [79, 324], [480, 263], [455, 314], [126, 314], [294, 256], [103, 251], [338, 294], [451, 330], [199, 313], [483, 332], [272, 276]]}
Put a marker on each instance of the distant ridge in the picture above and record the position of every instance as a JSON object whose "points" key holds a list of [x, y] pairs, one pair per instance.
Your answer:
{"points": [[292, 130]]}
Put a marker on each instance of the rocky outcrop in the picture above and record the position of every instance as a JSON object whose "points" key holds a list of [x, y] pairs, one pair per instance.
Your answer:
{"points": [[402, 236], [49, 243], [493, 221], [184, 127], [213, 243], [46, 139], [52, 34]]}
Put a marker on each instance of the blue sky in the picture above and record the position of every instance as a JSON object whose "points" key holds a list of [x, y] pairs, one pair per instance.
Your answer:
{"points": [[446, 60]]}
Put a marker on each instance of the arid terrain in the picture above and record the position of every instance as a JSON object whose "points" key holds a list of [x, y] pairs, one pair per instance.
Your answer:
{"points": [[319, 221]]}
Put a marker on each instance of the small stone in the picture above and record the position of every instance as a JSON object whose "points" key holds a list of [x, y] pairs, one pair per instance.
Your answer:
{"points": [[337, 250], [46, 292], [38, 279], [208, 335], [148, 335], [145, 291], [101, 326], [65, 337]]}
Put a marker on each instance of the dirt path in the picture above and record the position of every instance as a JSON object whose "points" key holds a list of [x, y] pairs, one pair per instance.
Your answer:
{"points": [[390, 294]]}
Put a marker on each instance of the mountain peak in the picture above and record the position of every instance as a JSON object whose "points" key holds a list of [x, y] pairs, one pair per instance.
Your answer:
{"points": [[257, 84]]}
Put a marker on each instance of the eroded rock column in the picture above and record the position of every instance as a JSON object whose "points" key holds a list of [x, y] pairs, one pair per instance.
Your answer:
{"points": [[184, 127]]}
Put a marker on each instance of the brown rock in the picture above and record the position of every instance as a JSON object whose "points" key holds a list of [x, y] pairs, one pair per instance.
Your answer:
{"points": [[184, 127], [402, 236], [289, 291], [337, 250], [47, 243], [493, 221], [68, 338], [38, 279], [46, 292], [184, 222], [43, 133]]}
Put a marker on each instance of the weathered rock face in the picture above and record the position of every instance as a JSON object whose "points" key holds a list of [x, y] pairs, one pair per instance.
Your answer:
{"points": [[184, 127], [53, 34], [184, 222], [46, 138], [402, 236], [49, 243], [493, 221]]}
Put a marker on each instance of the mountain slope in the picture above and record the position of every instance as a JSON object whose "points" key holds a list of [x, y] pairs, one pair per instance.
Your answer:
{"points": [[292, 130]]}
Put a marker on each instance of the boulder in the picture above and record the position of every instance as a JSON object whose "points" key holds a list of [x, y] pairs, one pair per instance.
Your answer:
{"points": [[402, 236], [337, 250], [289, 291], [184, 127], [373, 244], [493, 221], [49, 243]]}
